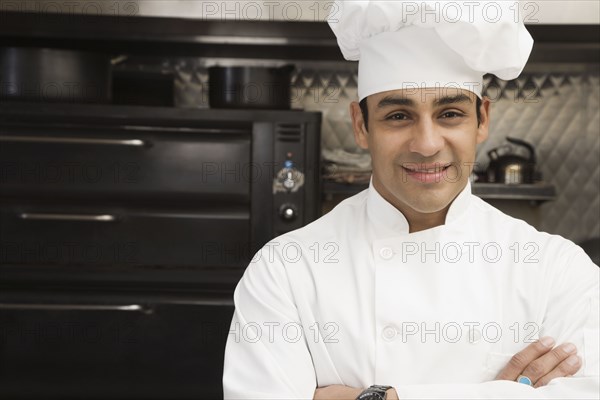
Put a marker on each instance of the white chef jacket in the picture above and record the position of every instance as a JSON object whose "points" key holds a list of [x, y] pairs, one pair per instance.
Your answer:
{"points": [[355, 299]]}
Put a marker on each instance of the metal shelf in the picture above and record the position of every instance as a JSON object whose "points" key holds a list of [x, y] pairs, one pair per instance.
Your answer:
{"points": [[537, 192], [530, 192]]}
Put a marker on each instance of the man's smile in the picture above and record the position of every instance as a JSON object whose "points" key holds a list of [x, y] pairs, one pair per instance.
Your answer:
{"points": [[426, 168], [426, 173]]}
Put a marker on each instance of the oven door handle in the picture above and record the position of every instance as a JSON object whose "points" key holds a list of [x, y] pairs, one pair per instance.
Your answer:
{"points": [[76, 307], [112, 307], [74, 140], [68, 217]]}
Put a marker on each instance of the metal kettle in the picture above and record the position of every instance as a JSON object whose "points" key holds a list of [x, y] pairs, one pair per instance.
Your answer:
{"points": [[510, 168]]}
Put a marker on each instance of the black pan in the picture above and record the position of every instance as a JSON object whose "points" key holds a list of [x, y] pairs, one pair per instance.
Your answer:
{"points": [[54, 75], [250, 87]]}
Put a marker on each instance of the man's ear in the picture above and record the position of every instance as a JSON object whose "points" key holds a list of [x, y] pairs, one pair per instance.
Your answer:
{"points": [[358, 125], [484, 126]]}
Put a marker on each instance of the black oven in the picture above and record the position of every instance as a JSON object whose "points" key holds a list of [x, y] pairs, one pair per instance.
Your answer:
{"points": [[123, 231]]}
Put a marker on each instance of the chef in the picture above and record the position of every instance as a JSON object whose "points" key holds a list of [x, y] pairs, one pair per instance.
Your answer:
{"points": [[415, 288]]}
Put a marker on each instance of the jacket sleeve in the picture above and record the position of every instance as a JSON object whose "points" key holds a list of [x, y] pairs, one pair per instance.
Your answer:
{"points": [[266, 355], [571, 315]]}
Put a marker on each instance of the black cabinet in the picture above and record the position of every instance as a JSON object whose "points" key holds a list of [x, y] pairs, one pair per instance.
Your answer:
{"points": [[112, 346]]}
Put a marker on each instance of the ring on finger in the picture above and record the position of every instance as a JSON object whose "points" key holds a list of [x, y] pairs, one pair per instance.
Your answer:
{"points": [[524, 380]]}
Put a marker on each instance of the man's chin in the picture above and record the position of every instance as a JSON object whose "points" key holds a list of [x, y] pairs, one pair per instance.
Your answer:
{"points": [[429, 208], [426, 200]]}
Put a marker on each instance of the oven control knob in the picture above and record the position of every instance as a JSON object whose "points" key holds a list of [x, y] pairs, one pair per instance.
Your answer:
{"points": [[288, 212], [288, 181]]}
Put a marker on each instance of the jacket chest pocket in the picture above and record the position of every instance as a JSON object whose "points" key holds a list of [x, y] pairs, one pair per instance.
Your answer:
{"points": [[495, 362]]}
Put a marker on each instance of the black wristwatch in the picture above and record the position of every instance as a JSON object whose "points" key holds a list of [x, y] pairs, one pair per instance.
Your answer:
{"points": [[375, 392]]}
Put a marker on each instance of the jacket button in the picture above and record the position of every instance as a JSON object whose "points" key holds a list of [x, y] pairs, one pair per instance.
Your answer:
{"points": [[389, 333], [386, 253]]}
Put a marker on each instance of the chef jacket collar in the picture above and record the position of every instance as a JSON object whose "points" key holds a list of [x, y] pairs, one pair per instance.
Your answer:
{"points": [[389, 221]]}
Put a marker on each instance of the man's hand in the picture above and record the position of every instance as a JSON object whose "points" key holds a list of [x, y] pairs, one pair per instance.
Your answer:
{"points": [[336, 392], [339, 392], [541, 363]]}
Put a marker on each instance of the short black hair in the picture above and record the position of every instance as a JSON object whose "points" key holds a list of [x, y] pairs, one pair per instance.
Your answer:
{"points": [[365, 111]]}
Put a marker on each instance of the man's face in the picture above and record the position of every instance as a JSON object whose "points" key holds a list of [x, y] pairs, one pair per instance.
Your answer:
{"points": [[422, 145]]}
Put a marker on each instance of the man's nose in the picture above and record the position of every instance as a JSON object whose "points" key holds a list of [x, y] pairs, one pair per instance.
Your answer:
{"points": [[426, 139]]}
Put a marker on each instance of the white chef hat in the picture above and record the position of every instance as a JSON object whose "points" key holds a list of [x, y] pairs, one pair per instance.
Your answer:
{"points": [[430, 44]]}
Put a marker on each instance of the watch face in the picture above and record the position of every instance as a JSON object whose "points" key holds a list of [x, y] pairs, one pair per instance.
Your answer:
{"points": [[370, 396]]}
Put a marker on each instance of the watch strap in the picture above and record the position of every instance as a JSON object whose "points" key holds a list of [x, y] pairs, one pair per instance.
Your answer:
{"points": [[374, 392]]}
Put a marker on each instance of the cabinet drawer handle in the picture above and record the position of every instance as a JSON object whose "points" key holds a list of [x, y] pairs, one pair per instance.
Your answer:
{"points": [[68, 140], [68, 217], [76, 307]]}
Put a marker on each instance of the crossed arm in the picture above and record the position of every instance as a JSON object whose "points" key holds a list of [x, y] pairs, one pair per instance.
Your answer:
{"points": [[540, 361]]}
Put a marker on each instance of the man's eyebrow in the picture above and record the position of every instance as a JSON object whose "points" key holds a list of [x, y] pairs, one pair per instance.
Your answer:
{"points": [[395, 101], [446, 100], [442, 101]]}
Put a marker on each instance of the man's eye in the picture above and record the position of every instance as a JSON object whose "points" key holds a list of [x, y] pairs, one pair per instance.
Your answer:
{"points": [[397, 117], [451, 114]]}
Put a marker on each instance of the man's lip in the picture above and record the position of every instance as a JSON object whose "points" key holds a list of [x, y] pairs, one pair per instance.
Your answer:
{"points": [[416, 167]]}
